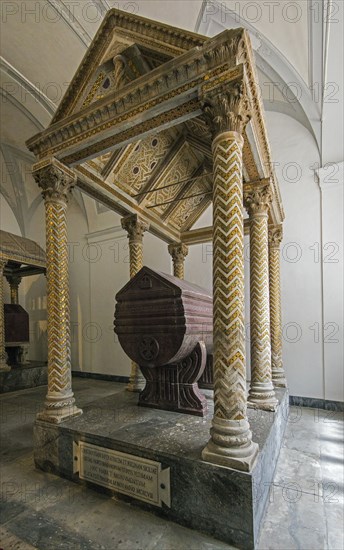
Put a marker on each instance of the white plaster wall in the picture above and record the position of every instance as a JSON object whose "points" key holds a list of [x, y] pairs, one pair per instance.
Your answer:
{"points": [[331, 182], [295, 152]]}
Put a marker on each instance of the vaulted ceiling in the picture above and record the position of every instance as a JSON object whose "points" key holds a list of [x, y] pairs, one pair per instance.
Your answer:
{"points": [[43, 43]]}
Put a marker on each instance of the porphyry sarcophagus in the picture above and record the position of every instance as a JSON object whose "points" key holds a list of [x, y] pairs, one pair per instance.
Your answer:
{"points": [[165, 325]]}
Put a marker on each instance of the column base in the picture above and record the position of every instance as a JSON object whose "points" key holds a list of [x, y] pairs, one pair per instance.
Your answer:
{"points": [[137, 381], [56, 417], [279, 379], [270, 406], [223, 456], [231, 445], [262, 396]]}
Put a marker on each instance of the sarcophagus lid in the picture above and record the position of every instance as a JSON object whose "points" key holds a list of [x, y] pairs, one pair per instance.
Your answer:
{"points": [[159, 318]]}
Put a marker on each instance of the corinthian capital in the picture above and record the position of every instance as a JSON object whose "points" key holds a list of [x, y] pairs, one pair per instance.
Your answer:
{"points": [[275, 235], [257, 198], [135, 227], [178, 251], [227, 109], [55, 179]]}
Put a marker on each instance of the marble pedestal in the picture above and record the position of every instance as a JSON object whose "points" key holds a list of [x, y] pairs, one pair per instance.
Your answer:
{"points": [[224, 503], [22, 377]]}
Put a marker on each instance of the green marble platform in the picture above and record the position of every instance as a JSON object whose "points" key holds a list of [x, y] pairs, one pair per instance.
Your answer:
{"points": [[22, 377], [224, 503]]}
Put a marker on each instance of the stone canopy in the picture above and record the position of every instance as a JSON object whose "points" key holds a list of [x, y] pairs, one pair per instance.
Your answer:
{"points": [[22, 256], [132, 122]]}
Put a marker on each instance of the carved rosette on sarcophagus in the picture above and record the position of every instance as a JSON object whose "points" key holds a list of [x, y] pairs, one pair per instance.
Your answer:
{"points": [[164, 324]]}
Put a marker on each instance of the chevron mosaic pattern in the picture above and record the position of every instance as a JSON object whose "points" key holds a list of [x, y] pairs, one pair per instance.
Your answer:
{"points": [[278, 374], [228, 280], [136, 380], [59, 353], [261, 384], [136, 257]]}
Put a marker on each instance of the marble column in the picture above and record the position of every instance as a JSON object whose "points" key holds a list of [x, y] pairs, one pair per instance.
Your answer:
{"points": [[14, 282], [257, 199], [231, 439], [3, 355], [56, 182], [278, 374], [135, 228], [178, 251]]}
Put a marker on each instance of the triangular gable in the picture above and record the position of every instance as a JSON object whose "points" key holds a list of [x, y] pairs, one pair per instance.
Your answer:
{"points": [[125, 47]]}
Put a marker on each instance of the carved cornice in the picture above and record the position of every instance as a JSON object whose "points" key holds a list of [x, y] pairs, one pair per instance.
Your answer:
{"points": [[275, 236], [129, 24], [165, 85], [135, 227], [168, 95], [178, 251], [257, 198], [245, 56], [55, 179]]}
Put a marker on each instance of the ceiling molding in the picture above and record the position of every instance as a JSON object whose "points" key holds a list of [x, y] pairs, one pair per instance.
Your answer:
{"points": [[102, 5], [8, 97], [67, 15], [200, 15], [315, 45], [28, 86], [275, 66], [15, 196]]}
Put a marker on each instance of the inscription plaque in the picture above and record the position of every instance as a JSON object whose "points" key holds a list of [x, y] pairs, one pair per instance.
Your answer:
{"points": [[131, 475]]}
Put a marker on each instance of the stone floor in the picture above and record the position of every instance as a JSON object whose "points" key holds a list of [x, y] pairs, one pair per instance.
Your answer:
{"points": [[39, 510]]}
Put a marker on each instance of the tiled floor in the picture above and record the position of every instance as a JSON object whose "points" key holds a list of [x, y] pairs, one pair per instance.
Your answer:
{"points": [[39, 510]]}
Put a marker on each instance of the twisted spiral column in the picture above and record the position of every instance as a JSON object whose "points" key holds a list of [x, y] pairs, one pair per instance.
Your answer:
{"points": [[3, 356], [257, 200], [231, 439], [178, 251], [56, 182], [135, 228], [278, 374]]}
